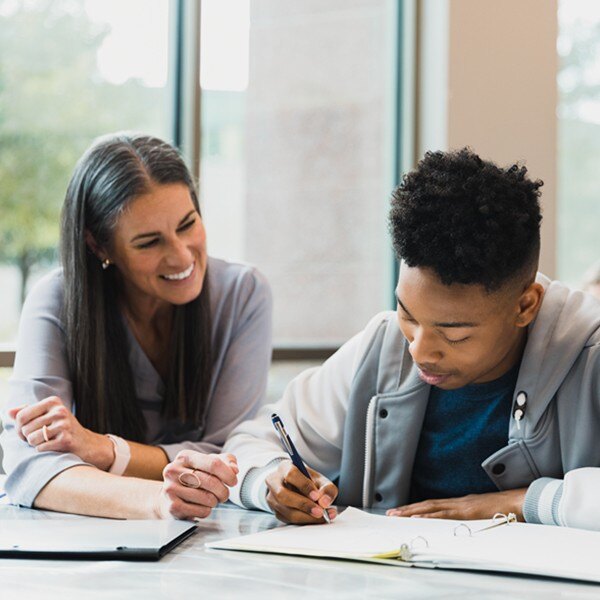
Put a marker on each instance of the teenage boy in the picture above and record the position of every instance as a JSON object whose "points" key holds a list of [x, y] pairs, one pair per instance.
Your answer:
{"points": [[480, 394]]}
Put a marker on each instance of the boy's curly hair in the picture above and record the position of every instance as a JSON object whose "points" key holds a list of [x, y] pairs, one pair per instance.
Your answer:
{"points": [[469, 220]]}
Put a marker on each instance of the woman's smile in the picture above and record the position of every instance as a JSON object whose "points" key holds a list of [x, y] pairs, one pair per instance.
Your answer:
{"points": [[180, 277]]}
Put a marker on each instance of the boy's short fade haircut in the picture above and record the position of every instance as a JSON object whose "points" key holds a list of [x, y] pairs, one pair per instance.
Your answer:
{"points": [[467, 219]]}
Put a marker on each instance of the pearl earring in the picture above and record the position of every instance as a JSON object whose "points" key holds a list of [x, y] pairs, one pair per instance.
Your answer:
{"points": [[105, 263]]}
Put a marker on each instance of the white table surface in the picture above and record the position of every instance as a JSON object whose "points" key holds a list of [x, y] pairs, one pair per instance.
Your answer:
{"points": [[191, 571]]}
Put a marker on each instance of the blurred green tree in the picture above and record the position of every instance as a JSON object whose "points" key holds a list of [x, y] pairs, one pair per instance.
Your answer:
{"points": [[53, 103]]}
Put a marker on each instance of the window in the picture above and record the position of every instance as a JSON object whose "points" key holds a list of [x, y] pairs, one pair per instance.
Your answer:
{"points": [[579, 138], [298, 154], [69, 71], [298, 149]]}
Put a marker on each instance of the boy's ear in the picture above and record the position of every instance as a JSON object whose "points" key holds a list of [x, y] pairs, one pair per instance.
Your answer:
{"points": [[529, 305], [93, 245]]}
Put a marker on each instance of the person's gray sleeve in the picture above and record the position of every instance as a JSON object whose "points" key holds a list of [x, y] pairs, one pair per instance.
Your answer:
{"points": [[240, 388], [40, 371], [573, 500], [542, 501]]}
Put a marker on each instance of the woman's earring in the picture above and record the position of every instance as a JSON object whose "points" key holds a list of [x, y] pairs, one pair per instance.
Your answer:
{"points": [[105, 263]]}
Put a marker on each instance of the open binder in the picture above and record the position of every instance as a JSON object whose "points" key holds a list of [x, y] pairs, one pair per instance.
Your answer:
{"points": [[500, 545]]}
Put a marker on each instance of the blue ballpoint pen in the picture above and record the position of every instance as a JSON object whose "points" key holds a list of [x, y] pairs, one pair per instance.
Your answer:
{"points": [[289, 447]]}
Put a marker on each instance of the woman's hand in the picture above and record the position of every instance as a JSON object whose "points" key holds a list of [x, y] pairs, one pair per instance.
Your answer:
{"points": [[194, 484], [296, 499], [49, 425]]}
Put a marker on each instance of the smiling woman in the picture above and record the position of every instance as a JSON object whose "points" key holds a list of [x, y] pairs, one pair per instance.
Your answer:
{"points": [[140, 355]]}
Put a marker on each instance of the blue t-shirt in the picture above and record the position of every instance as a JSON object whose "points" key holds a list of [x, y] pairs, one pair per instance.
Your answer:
{"points": [[461, 429]]}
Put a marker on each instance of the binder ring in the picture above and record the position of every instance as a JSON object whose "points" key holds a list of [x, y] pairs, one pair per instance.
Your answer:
{"points": [[463, 526], [413, 542], [501, 517], [406, 550], [405, 553]]}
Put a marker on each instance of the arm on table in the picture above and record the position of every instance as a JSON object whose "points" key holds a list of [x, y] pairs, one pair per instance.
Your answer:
{"points": [[86, 490], [315, 425], [67, 435]]}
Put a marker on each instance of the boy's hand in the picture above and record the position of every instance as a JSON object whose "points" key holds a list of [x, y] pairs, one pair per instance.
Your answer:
{"points": [[473, 506], [296, 499]]}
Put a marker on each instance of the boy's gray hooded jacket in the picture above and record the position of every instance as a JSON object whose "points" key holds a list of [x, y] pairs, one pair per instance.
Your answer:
{"points": [[357, 419]]}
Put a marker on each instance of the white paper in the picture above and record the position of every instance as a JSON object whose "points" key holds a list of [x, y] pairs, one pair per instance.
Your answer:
{"points": [[353, 533], [516, 547]]}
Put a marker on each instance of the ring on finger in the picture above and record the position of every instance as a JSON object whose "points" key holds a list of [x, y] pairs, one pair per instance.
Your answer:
{"points": [[190, 479], [45, 433]]}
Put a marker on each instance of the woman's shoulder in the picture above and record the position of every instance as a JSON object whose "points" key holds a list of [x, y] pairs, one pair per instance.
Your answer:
{"points": [[46, 294], [234, 283]]}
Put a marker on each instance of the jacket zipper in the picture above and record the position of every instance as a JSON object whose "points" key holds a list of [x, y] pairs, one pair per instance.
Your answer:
{"points": [[368, 452]]}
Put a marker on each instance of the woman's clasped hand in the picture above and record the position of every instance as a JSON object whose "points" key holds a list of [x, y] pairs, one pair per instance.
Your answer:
{"points": [[195, 483], [49, 426]]}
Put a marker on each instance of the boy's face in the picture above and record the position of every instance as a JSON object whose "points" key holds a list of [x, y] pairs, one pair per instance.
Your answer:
{"points": [[460, 334]]}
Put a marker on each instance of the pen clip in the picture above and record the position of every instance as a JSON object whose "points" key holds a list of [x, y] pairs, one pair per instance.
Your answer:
{"points": [[283, 436]]}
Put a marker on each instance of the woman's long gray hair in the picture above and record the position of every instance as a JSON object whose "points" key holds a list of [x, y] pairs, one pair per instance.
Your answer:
{"points": [[116, 169]]}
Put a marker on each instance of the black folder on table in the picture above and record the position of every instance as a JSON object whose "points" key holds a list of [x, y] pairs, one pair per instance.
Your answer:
{"points": [[91, 538]]}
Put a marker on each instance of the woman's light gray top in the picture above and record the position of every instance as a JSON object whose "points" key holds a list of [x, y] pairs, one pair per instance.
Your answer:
{"points": [[241, 343]]}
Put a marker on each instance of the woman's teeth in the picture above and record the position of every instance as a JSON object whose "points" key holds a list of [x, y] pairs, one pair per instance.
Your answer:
{"points": [[178, 276]]}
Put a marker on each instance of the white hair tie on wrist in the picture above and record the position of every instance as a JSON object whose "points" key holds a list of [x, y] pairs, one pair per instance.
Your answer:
{"points": [[122, 454]]}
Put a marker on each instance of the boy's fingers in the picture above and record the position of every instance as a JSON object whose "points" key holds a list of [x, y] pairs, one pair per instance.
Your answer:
{"points": [[293, 477], [292, 493], [290, 515], [281, 495], [328, 493], [291, 507], [287, 497]]}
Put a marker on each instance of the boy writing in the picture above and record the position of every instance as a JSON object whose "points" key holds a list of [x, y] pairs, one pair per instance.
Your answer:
{"points": [[480, 394]]}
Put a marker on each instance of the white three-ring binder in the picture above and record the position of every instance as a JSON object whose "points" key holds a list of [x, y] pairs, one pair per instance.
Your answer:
{"points": [[500, 545]]}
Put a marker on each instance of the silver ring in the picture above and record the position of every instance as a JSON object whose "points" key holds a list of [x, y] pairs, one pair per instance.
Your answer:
{"points": [[45, 433], [186, 476]]}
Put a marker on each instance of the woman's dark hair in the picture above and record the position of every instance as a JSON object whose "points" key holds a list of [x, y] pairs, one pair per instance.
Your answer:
{"points": [[467, 219], [115, 170]]}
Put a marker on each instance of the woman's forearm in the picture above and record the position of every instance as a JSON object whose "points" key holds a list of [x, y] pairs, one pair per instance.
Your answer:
{"points": [[146, 462], [89, 491]]}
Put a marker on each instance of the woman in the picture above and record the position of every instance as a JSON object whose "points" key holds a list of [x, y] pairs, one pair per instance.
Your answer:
{"points": [[140, 355]]}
